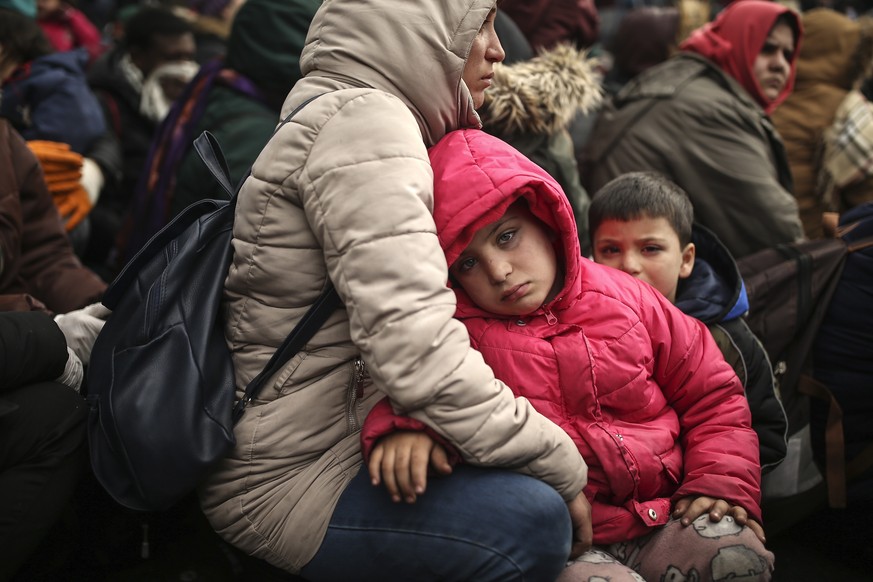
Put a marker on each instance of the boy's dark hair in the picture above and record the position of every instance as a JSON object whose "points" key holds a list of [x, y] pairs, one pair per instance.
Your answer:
{"points": [[145, 27], [642, 194], [21, 37]]}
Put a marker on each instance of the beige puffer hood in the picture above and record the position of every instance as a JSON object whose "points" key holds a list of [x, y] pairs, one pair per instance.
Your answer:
{"points": [[541, 95], [424, 70]]}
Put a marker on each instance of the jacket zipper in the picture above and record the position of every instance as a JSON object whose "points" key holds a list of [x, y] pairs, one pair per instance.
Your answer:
{"points": [[355, 391], [550, 317]]}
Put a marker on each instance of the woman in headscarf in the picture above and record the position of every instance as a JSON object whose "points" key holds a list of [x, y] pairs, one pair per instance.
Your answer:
{"points": [[343, 194], [701, 118]]}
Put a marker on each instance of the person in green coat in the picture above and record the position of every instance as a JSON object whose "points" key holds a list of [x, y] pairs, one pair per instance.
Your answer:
{"points": [[237, 99]]}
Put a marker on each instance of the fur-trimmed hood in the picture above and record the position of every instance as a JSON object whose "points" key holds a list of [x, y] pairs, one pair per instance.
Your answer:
{"points": [[541, 95]]}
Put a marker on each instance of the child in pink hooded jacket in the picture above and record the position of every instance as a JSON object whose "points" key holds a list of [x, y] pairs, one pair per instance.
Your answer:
{"points": [[643, 390]]}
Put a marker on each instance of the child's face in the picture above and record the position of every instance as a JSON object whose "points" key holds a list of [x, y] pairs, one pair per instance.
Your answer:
{"points": [[646, 248], [510, 267]]}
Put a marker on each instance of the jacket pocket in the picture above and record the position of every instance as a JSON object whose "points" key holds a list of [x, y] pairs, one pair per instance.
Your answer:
{"points": [[672, 463]]}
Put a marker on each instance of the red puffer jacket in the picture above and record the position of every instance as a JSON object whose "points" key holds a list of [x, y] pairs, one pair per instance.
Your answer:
{"points": [[641, 388]]}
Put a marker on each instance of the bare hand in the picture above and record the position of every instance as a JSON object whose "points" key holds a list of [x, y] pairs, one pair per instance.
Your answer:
{"points": [[829, 223], [400, 460], [580, 516], [690, 508]]}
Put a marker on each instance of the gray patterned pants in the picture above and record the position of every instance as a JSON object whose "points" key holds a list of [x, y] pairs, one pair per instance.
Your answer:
{"points": [[702, 552]]}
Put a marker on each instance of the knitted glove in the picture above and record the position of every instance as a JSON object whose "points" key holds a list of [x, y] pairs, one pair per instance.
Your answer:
{"points": [[74, 372], [62, 180], [54, 152], [73, 205], [63, 176], [81, 327]]}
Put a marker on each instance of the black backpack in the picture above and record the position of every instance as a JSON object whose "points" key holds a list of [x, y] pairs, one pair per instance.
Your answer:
{"points": [[790, 287], [160, 385]]}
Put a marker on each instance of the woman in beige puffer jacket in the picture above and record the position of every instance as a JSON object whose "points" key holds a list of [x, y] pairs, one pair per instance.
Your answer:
{"points": [[344, 192]]}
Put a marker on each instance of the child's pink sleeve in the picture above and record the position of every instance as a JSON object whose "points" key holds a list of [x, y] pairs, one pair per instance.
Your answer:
{"points": [[721, 453], [383, 421]]}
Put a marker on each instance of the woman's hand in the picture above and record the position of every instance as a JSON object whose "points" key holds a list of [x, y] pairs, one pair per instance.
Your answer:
{"points": [[400, 460], [690, 508]]}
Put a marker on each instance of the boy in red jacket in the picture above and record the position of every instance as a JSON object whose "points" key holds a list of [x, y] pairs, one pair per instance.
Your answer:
{"points": [[642, 223], [642, 389]]}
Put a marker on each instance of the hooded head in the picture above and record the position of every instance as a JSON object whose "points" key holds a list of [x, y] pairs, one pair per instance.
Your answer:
{"points": [[735, 39], [836, 49], [477, 177], [646, 36], [413, 50], [266, 40]]}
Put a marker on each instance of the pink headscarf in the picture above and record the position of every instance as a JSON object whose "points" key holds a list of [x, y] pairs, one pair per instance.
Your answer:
{"points": [[735, 38]]}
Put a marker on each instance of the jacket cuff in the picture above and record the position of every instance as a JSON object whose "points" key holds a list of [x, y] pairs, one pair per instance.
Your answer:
{"points": [[383, 421]]}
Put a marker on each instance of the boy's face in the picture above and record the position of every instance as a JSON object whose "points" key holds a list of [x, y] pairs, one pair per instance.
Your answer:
{"points": [[510, 267], [646, 248]]}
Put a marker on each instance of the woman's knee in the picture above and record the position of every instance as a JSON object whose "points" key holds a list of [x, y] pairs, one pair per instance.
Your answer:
{"points": [[533, 520], [476, 524]]}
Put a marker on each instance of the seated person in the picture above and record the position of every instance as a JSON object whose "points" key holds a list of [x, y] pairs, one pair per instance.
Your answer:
{"points": [[47, 99], [641, 223], [42, 433], [68, 28], [237, 99], [45, 93], [136, 82], [701, 119], [641, 388], [38, 268]]}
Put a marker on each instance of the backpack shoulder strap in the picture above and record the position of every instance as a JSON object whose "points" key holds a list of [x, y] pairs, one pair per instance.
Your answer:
{"points": [[209, 150], [328, 302], [210, 153]]}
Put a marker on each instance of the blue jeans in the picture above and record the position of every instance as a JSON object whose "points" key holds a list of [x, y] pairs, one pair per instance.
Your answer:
{"points": [[475, 524]]}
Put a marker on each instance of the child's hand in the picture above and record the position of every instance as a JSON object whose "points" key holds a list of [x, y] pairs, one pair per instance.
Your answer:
{"points": [[401, 460], [690, 508], [580, 515]]}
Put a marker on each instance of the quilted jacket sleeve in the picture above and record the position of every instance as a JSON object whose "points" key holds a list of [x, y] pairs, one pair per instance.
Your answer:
{"points": [[368, 198], [721, 449], [32, 349]]}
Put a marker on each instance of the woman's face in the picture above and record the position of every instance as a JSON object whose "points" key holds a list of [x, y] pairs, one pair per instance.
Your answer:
{"points": [[773, 64], [45, 8], [479, 68]]}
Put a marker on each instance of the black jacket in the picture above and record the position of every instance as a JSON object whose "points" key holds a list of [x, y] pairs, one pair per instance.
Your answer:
{"points": [[715, 294], [32, 349]]}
